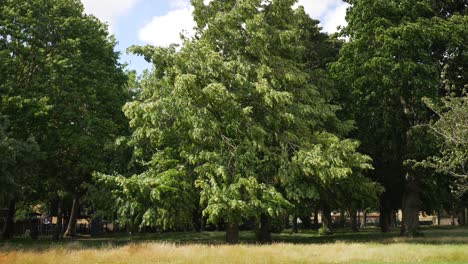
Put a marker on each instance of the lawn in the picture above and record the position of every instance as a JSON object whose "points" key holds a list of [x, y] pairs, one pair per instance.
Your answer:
{"points": [[439, 245]]}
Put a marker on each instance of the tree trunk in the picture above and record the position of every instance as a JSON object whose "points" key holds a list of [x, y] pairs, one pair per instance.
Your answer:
{"points": [[294, 224], [232, 233], [9, 226], [96, 227], [306, 220], [71, 229], [263, 233], [465, 213], [438, 218], [326, 218], [354, 220], [58, 226], [342, 218], [411, 204], [202, 223], [385, 214], [393, 219], [316, 221], [364, 219]]}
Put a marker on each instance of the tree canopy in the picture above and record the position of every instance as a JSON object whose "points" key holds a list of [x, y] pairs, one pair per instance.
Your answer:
{"points": [[61, 83], [238, 116], [396, 54], [257, 117]]}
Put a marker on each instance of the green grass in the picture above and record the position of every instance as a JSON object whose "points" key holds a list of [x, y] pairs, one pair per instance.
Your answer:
{"points": [[439, 245]]}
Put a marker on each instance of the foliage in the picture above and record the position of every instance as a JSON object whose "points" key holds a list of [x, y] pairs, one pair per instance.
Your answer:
{"points": [[452, 128], [17, 164], [237, 117], [324, 231], [61, 82], [396, 55]]}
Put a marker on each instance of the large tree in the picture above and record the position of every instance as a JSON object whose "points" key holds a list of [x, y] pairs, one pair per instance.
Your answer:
{"points": [[395, 55], [19, 160], [61, 82], [452, 128], [238, 116]]}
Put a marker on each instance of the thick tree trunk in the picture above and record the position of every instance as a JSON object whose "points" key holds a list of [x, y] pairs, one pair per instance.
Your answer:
{"points": [[354, 220], [294, 224], [71, 229], [411, 205], [316, 221], [232, 233], [197, 219], [393, 219], [364, 219], [202, 223], [34, 234], [9, 226], [58, 226], [96, 227], [263, 232], [465, 213], [326, 218], [306, 220], [342, 218], [385, 214]]}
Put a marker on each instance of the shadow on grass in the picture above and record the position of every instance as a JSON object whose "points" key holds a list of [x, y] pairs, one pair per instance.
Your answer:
{"points": [[433, 235]]}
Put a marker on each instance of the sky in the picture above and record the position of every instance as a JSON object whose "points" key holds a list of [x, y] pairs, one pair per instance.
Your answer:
{"points": [[160, 22]]}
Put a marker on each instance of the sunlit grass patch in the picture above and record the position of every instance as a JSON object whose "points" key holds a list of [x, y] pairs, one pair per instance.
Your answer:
{"points": [[276, 253], [437, 246]]}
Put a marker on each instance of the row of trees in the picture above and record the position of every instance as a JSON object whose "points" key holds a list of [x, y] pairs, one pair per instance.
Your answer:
{"points": [[62, 90], [257, 117]]}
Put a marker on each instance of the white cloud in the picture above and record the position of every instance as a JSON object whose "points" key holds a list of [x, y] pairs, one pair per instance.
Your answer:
{"points": [[316, 8], [165, 30], [334, 18], [331, 13], [108, 10]]}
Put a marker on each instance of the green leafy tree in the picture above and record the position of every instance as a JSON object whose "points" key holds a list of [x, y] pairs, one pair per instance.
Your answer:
{"points": [[235, 117], [395, 56], [452, 128], [17, 165], [61, 82]]}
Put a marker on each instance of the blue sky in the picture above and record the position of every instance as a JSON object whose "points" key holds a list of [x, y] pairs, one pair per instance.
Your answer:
{"points": [[159, 22]]}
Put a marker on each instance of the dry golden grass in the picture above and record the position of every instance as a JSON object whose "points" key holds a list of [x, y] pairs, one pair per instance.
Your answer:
{"points": [[278, 253]]}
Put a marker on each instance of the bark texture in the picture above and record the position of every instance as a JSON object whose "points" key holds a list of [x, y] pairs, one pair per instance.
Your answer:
{"points": [[8, 229], [263, 232], [316, 221], [342, 218], [385, 214], [71, 229], [294, 224], [364, 219], [326, 218], [411, 208], [58, 226], [232, 233], [354, 220]]}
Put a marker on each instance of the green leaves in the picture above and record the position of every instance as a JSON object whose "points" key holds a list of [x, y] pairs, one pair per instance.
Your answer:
{"points": [[239, 108], [398, 53], [18, 163], [61, 82], [452, 128]]}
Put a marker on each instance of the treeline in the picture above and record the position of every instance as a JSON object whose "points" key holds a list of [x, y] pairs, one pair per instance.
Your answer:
{"points": [[258, 117]]}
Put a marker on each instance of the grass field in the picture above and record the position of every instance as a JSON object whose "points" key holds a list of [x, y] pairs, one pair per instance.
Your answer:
{"points": [[439, 245]]}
